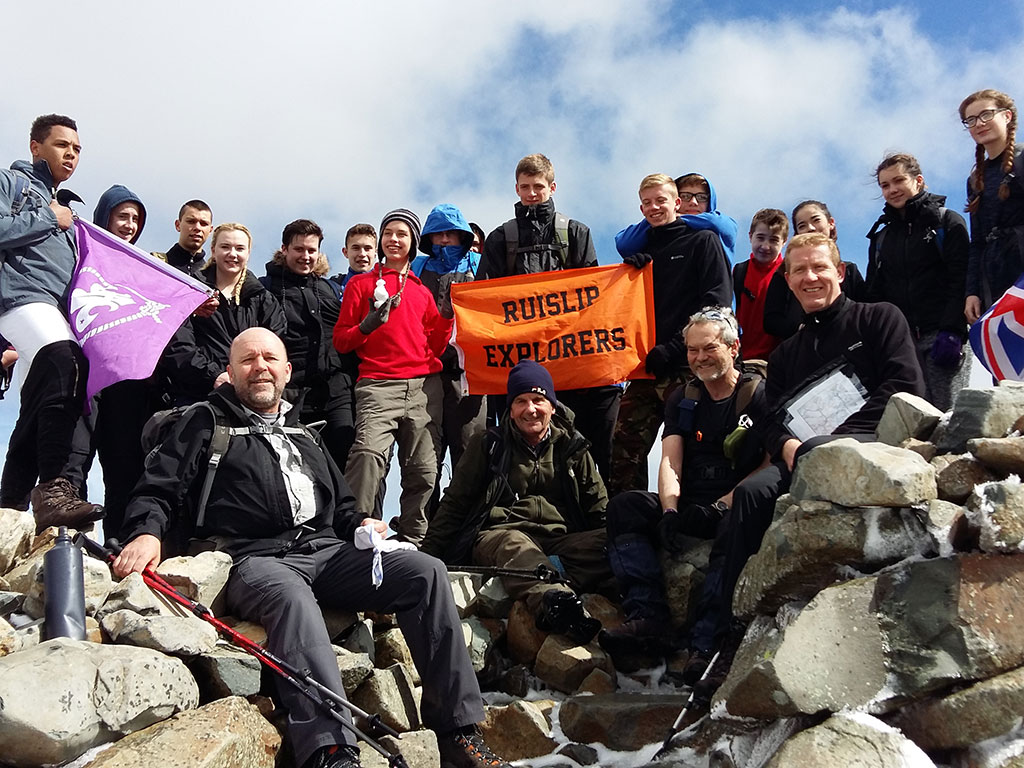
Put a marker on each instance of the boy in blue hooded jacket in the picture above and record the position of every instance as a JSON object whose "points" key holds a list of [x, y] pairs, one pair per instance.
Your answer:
{"points": [[446, 259]]}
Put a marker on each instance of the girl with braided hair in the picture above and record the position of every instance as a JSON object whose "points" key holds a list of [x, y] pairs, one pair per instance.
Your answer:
{"points": [[995, 200]]}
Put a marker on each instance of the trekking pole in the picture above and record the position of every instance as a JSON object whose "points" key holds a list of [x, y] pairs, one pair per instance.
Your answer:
{"points": [[674, 731], [301, 680], [541, 573]]}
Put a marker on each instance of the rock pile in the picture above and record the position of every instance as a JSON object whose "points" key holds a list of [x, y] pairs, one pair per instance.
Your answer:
{"points": [[153, 681], [883, 603], [882, 631]]}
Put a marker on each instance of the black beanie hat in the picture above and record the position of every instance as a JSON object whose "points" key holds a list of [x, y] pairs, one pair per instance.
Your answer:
{"points": [[410, 218], [530, 376]]}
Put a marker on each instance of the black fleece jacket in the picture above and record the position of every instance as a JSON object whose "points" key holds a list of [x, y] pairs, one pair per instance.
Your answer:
{"points": [[909, 268], [691, 272], [248, 507], [874, 338], [311, 308]]}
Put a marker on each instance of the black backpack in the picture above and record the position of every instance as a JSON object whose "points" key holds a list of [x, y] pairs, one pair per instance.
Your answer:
{"points": [[160, 424]]}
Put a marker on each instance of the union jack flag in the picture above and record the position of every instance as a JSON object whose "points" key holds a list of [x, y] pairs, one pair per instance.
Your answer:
{"points": [[998, 336]]}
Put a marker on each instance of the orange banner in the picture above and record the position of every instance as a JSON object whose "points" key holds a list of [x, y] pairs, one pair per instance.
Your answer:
{"points": [[588, 327]]}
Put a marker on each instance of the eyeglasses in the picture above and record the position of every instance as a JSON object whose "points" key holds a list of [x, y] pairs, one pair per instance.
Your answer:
{"points": [[982, 117], [703, 197]]}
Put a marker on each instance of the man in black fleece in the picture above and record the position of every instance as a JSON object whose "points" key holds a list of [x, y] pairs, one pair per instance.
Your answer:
{"points": [[871, 345], [691, 272]]}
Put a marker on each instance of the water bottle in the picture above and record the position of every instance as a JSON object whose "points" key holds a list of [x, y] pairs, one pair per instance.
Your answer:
{"points": [[380, 293], [64, 577]]}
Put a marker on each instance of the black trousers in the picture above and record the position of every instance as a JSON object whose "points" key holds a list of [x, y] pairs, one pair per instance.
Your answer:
{"points": [[753, 508], [596, 410], [52, 399], [281, 593]]}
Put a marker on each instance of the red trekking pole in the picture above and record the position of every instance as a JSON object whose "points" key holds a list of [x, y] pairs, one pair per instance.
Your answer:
{"points": [[301, 679]]}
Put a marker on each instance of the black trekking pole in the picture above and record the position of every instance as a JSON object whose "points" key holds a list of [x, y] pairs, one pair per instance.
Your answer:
{"points": [[541, 573], [674, 731], [301, 680]]}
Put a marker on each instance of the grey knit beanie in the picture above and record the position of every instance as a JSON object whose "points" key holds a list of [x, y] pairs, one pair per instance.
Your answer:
{"points": [[411, 219]]}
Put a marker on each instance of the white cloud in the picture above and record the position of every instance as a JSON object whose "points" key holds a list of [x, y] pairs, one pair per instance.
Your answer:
{"points": [[342, 111]]}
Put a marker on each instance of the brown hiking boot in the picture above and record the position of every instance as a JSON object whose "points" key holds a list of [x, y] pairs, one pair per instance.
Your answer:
{"points": [[56, 502]]}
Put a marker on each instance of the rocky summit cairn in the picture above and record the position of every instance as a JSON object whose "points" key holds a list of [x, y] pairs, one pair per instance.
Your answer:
{"points": [[883, 628]]}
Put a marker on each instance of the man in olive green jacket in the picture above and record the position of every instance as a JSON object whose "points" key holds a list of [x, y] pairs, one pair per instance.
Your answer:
{"points": [[526, 494]]}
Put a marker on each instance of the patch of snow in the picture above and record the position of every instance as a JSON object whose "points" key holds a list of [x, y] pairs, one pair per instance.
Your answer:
{"points": [[999, 749], [87, 757], [913, 756]]}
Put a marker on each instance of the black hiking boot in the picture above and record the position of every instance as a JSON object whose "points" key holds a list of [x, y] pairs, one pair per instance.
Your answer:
{"points": [[705, 687], [637, 644], [334, 756]]}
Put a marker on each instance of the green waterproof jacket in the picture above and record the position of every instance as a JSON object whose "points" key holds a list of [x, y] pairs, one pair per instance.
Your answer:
{"points": [[501, 482]]}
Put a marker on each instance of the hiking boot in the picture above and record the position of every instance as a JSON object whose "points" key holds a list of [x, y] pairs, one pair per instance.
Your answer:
{"points": [[637, 644], [696, 666], [562, 612], [334, 756], [465, 748], [56, 503], [705, 687]]}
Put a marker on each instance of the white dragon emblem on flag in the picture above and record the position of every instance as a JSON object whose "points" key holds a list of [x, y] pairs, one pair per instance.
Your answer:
{"points": [[104, 297]]}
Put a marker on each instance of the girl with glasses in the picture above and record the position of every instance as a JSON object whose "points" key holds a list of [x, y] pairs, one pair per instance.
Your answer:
{"points": [[995, 200]]}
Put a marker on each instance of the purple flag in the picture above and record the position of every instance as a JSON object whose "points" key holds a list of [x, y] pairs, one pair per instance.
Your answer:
{"points": [[124, 306]]}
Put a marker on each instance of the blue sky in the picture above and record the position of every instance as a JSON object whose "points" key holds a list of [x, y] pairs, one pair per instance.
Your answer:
{"points": [[339, 111]]}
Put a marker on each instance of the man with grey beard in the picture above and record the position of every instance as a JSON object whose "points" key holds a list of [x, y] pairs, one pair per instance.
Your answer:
{"points": [[706, 450]]}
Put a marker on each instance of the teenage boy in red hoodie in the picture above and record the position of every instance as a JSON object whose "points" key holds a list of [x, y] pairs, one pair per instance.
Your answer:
{"points": [[768, 232], [391, 320]]}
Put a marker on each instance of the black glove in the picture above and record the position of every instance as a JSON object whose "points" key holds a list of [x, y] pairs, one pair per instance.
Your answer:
{"points": [[663, 358], [375, 318], [700, 520], [638, 260], [670, 533]]}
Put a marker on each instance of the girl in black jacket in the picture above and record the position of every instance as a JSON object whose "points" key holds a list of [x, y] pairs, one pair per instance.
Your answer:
{"points": [[196, 359], [782, 313], [995, 200], [917, 260]]}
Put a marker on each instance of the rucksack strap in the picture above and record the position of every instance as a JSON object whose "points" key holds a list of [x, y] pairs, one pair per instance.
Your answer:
{"points": [[18, 199], [218, 447], [511, 228], [21, 189], [739, 277], [562, 236], [512, 249], [219, 442], [745, 389]]}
